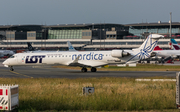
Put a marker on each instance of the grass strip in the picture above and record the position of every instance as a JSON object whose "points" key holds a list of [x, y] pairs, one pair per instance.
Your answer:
{"points": [[117, 94]]}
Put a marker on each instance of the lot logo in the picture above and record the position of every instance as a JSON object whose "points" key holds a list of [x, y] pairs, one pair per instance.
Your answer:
{"points": [[34, 59]]}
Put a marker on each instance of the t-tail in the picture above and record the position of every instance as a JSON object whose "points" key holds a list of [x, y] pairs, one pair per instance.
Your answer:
{"points": [[71, 48], [30, 48], [175, 45], [145, 50]]}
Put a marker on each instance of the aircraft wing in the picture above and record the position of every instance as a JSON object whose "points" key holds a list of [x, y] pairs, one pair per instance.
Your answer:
{"points": [[83, 63]]}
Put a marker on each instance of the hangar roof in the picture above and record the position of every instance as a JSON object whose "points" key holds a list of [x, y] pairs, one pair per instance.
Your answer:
{"points": [[59, 26], [154, 25]]}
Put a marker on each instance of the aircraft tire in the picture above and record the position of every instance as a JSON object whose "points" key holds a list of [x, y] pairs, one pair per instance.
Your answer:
{"points": [[11, 69], [84, 69], [93, 69]]}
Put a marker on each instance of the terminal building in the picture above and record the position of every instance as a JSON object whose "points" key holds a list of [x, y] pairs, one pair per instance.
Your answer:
{"points": [[85, 36]]}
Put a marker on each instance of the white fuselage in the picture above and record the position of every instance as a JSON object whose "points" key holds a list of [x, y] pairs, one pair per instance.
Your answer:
{"points": [[167, 53], [90, 58]]}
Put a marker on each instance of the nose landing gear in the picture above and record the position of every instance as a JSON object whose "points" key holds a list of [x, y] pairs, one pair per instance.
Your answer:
{"points": [[11, 68], [84, 69]]}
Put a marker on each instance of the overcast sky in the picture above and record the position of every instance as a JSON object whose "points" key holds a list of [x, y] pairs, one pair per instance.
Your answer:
{"points": [[52, 12]]}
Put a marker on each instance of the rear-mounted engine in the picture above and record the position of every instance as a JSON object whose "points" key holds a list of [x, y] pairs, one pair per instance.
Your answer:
{"points": [[119, 53]]}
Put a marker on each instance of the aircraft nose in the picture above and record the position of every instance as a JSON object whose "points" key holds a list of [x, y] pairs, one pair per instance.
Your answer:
{"points": [[5, 62]]}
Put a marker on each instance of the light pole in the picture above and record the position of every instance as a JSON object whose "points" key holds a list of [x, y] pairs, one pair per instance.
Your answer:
{"points": [[170, 24]]}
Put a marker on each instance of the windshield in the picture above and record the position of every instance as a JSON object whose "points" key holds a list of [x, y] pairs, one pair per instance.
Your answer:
{"points": [[11, 57]]}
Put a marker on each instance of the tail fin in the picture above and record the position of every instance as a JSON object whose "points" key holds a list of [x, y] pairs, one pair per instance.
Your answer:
{"points": [[175, 45], [71, 48], [145, 50], [157, 48], [30, 48]]}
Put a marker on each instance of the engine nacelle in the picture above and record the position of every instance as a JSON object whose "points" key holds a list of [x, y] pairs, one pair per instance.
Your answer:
{"points": [[119, 53], [153, 54]]}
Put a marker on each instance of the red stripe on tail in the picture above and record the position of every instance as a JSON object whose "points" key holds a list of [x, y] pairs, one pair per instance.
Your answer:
{"points": [[157, 48]]}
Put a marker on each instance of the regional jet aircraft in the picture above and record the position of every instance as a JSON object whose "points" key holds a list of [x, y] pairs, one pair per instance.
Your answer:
{"points": [[85, 59]]}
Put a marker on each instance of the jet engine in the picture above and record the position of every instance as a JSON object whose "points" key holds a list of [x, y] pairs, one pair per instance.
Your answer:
{"points": [[153, 54], [119, 53]]}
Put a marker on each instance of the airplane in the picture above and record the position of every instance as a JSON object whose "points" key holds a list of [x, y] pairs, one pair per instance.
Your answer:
{"points": [[6, 53], [31, 48], [85, 59], [166, 54]]}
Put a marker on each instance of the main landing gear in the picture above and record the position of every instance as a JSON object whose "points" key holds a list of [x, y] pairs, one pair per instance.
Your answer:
{"points": [[93, 69], [84, 69], [11, 68]]}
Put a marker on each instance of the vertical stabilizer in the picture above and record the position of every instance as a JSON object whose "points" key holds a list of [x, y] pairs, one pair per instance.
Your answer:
{"points": [[145, 50], [30, 48], [175, 45], [157, 48], [71, 48]]}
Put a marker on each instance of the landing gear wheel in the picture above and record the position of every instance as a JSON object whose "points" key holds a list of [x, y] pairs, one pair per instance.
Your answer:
{"points": [[93, 69], [84, 69], [11, 68]]}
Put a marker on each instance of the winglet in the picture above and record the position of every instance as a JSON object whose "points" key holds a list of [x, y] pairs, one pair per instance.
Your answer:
{"points": [[71, 48], [76, 60]]}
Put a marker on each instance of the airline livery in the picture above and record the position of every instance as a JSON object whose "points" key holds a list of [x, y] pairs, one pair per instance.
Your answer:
{"points": [[175, 45], [85, 59]]}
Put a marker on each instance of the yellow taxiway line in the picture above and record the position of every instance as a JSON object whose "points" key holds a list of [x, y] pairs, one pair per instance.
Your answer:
{"points": [[21, 74]]}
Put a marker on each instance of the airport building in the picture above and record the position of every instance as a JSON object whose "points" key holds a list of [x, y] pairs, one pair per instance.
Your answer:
{"points": [[85, 36]]}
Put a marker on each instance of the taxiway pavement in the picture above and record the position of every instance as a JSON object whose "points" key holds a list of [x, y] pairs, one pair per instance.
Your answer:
{"points": [[49, 72]]}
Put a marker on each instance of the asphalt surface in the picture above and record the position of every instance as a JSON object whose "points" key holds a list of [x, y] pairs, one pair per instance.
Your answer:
{"points": [[49, 72]]}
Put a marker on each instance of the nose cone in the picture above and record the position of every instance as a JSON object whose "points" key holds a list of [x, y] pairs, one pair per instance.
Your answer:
{"points": [[5, 63]]}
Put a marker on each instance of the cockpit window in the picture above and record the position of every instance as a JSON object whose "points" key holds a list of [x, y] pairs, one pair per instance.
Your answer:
{"points": [[12, 57]]}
